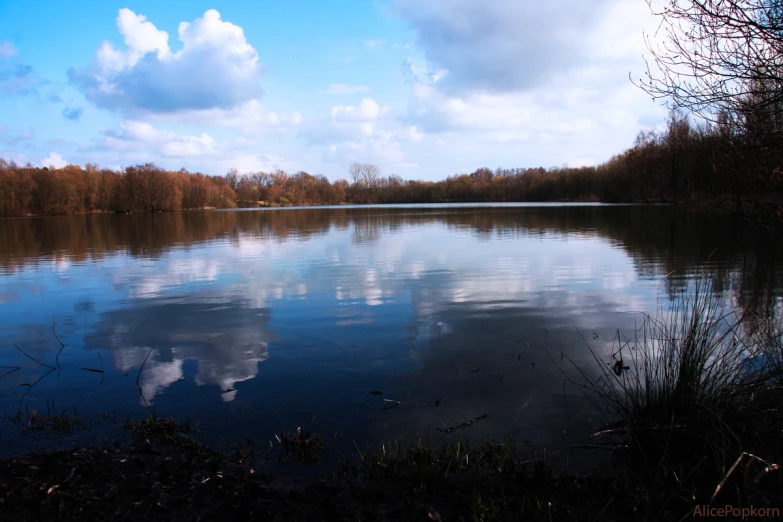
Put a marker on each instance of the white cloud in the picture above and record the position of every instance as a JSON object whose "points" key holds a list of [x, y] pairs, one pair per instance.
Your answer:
{"points": [[414, 134], [374, 44], [54, 160], [7, 49], [380, 147], [368, 110], [216, 67], [553, 77], [250, 118], [366, 132], [499, 45], [252, 162], [136, 135], [342, 88]]}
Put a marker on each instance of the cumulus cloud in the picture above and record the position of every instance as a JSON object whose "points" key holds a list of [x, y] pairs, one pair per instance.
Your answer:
{"points": [[72, 113], [54, 160], [342, 88], [366, 132], [349, 123], [216, 67], [554, 76]]}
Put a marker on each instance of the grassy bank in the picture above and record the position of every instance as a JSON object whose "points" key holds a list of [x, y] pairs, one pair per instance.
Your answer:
{"points": [[163, 474]]}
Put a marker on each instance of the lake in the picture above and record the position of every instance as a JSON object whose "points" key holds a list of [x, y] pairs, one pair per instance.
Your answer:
{"points": [[257, 320]]}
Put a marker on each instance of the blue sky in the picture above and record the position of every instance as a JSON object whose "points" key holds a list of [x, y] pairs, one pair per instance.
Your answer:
{"points": [[422, 89]]}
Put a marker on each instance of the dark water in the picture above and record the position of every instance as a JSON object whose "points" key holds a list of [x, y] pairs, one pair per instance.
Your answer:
{"points": [[268, 319]]}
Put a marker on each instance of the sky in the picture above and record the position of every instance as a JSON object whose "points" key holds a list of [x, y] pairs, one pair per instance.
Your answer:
{"points": [[424, 90]]}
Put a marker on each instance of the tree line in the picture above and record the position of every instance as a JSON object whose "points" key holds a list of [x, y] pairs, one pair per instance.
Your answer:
{"points": [[708, 163]]}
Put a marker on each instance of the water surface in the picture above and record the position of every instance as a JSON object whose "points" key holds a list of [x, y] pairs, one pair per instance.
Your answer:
{"points": [[259, 320]]}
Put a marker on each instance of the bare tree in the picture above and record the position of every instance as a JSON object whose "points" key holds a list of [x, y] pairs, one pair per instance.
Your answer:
{"points": [[232, 176], [720, 59], [370, 174], [355, 172]]}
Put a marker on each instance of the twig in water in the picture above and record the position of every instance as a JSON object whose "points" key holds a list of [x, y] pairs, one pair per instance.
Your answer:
{"points": [[630, 430], [33, 358], [389, 404], [12, 370], [94, 370], [141, 392], [463, 425], [62, 345], [31, 386]]}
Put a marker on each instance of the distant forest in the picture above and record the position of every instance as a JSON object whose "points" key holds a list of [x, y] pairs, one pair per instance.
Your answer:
{"points": [[705, 164]]}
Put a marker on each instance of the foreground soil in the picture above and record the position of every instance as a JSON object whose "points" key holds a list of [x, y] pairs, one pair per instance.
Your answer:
{"points": [[162, 474]]}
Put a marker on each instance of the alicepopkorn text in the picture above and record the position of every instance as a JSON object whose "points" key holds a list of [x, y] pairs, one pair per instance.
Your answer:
{"points": [[742, 513]]}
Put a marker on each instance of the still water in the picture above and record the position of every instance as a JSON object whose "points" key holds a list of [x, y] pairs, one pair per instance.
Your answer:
{"points": [[259, 320]]}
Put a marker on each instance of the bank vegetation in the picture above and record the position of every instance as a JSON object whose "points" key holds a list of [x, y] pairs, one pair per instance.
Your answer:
{"points": [[704, 164]]}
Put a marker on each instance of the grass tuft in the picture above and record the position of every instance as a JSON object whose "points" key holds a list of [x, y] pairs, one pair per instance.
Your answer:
{"points": [[698, 386]]}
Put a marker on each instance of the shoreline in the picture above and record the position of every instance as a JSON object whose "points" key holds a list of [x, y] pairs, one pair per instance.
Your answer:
{"points": [[162, 473]]}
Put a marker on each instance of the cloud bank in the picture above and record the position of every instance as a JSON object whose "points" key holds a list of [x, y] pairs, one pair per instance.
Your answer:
{"points": [[216, 67]]}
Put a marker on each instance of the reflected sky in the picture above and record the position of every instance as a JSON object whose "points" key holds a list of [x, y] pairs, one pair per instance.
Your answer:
{"points": [[266, 319]]}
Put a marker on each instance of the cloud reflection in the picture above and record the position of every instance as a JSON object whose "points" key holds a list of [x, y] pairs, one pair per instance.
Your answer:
{"points": [[226, 341]]}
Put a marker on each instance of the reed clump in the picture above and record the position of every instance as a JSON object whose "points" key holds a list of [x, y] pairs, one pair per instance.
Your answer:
{"points": [[302, 445], [696, 390]]}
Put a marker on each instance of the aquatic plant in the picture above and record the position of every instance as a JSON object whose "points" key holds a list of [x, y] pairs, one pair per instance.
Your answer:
{"points": [[694, 391]]}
